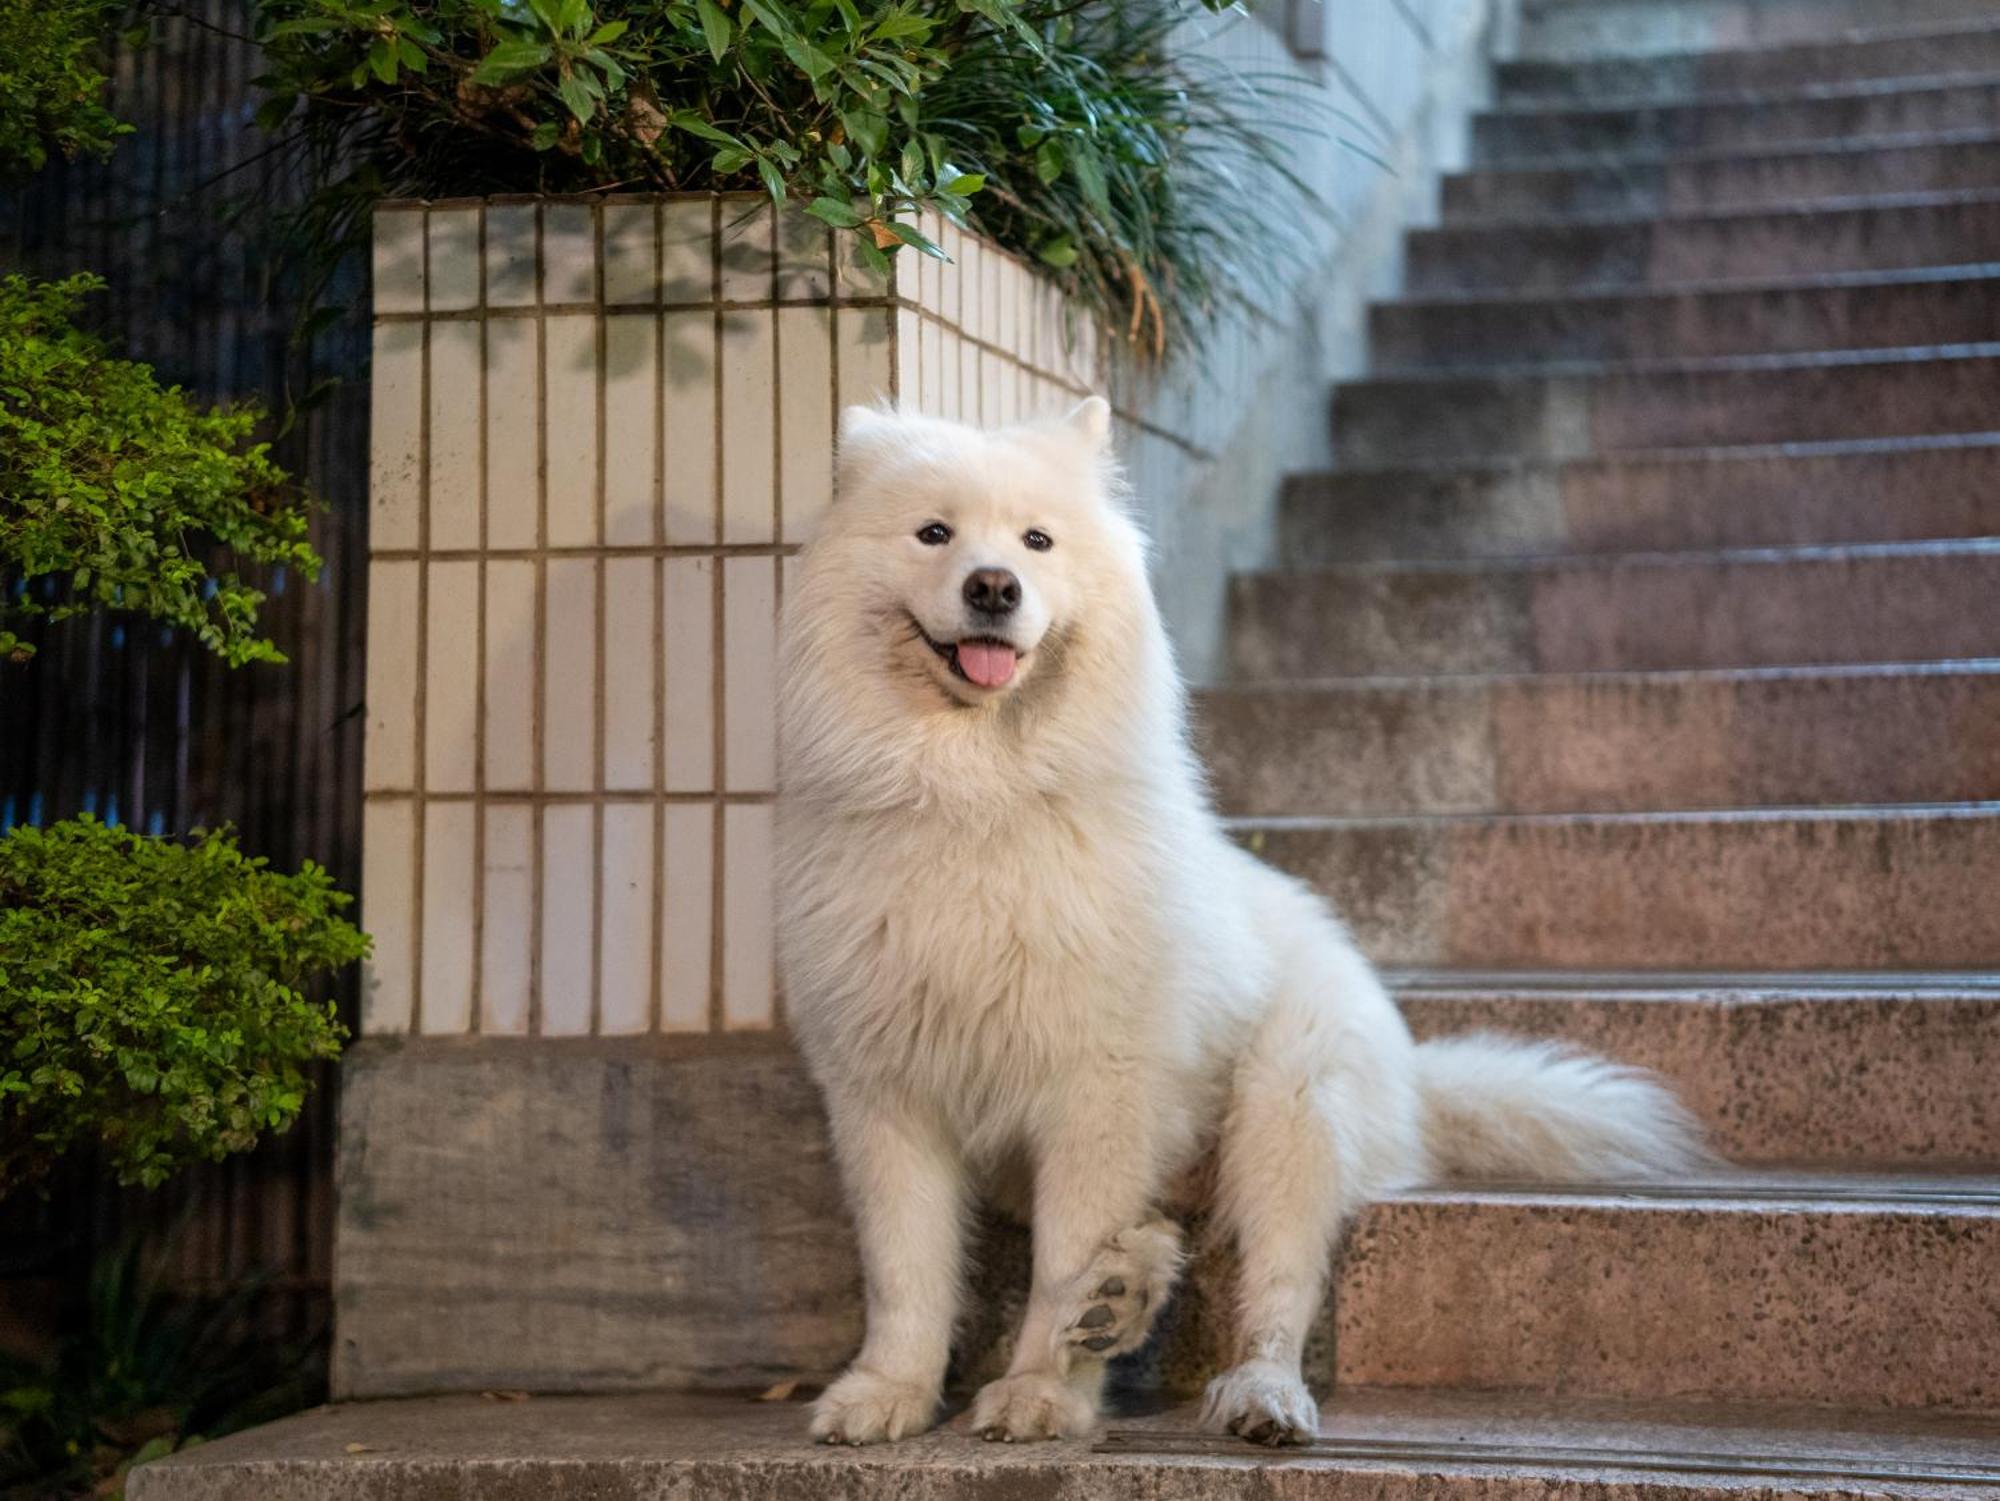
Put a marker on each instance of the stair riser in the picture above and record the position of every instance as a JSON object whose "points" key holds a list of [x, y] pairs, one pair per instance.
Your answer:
{"points": [[1606, 744], [1641, 615], [1876, 1308], [1384, 423], [1637, 506], [1676, 77], [1614, 27], [1889, 1080], [1657, 253], [1695, 186], [1689, 325], [1807, 892], [1501, 138]]}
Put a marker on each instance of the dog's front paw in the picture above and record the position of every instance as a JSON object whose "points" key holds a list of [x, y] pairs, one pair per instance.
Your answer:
{"points": [[1115, 1301], [1263, 1402], [864, 1408], [1032, 1406]]}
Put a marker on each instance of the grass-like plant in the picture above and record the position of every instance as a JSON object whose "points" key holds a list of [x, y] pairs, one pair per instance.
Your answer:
{"points": [[1071, 133], [153, 997], [52, 82], [115, 489]]}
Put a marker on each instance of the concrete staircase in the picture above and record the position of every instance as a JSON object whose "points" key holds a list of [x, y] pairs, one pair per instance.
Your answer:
{"points": [[1635, 680]]}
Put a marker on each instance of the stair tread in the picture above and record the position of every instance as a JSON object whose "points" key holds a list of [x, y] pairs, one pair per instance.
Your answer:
{"points": [[1746, 1189], [1740, 98], [1811, 281], [1742, 985], [1805, 208], [1843, 146], [1810, 552], [1553, 682], [1848, 36], [1409, 1443], [1722, 453], [1588, 369], [1952, 812]]}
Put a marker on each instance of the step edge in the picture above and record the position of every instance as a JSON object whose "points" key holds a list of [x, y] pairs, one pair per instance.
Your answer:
{"points": [[1975, 812], [1854, 146], [1875, 279], [1479, 225], [1714, 557], [1833, 89]]}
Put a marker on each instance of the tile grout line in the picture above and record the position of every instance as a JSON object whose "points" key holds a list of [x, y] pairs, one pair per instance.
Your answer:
{"points": [[598, 571], [718, 780], [420, 779], [656, 978], [539, 664], [475, 1017]]}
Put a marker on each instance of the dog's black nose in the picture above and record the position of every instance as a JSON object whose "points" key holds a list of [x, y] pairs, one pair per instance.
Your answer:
{"points": [[992, 591]]}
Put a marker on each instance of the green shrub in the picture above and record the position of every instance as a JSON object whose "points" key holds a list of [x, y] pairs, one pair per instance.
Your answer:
{"points": [[52, 84], [1113, 163], [152, 997], [112, 485]]}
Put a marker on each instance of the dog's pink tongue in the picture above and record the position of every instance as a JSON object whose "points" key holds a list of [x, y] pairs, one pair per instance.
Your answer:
{"points": [[987, 663]]}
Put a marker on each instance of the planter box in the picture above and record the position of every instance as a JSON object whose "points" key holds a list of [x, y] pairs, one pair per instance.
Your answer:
{"points": [[599, 429]]}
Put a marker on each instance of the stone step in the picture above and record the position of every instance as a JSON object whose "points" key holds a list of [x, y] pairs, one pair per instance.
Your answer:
{"points": [[1870, 234], [1844, 310], [1592, 409], [1704, 182], [1854, 1291], [1390, 1445], [1631, 612], [1897, 888], [1594, 28], [1612, 742], [1892, 52], [1872, 1070], [1901, 490], [1820, 113]]}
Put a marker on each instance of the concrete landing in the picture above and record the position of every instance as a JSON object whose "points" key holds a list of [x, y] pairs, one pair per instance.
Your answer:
{"points": [[1379, 1446]]}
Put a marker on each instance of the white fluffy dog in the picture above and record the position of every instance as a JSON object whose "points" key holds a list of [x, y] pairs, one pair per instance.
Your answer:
{"points": [[1019, 947]]}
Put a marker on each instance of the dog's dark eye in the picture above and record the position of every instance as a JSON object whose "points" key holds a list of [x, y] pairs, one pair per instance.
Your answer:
{"points": [[1038, 540], [934, 535]]}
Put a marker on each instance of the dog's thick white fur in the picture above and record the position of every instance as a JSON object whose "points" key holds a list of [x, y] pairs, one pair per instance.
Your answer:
{"points": [[1018, 946]]}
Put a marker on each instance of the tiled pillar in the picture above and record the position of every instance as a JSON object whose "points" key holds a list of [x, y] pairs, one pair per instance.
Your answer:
{"points": [[600, 427]]}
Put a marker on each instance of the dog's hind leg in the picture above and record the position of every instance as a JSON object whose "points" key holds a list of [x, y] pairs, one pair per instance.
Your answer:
{"points": [[1320, 1119]]}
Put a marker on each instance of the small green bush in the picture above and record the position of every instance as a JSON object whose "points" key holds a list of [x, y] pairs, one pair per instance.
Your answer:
{"points": [[152, 997], [111, 484], [52, 83], [1118, 164]]}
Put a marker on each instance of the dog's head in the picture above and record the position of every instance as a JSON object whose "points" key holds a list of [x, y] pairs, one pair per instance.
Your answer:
{"points": [[968, 557]]}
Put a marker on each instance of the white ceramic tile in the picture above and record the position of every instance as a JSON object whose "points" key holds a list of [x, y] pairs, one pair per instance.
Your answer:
{"points": [[750, 673], [951, 274], [569, 676], [746, 250], [388, 912], [509, 674], [805, 271], [972, 256], [513, 434], [510, 254], [631, 430], [399, 260], [907, 358], [507, 923], [444, 1003], [805, 417], [748, 427], [570, 391], [687, 899], [856, 277], [689, 711], [630, 638], [1010, 392], [748, 967], [687, 250], [625, 948], [569, 253], [451, 675], [930, 368], [992, 374], [395, 436], [992, 266], [631, 273], [689, 419], [568, 901], [865, 341], [454, 268], [968, 381], [1007, 322], [389, 749], [454, 423], [953, 375], [928, 271]]}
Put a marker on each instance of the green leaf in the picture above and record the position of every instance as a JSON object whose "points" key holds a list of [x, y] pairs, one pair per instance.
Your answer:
{"points": [[774, 180], [508, 61], [835, 211], [545, 135], [694, 125], [1061, 252], [575, 93], [608, 33], [911, 236], [1049, 160], [715, 28], [966, 184]]}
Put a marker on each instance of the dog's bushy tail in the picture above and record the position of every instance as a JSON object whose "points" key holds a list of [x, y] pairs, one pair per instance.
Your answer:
{"points": [[1499, 1107]]}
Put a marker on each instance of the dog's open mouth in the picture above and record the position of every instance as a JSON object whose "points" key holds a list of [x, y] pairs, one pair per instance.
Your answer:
{"points": [[984, 661]]}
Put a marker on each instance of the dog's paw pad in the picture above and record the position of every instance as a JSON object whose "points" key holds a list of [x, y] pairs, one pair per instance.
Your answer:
{"points": [[1261, 1402], [863, 1408], [1030, 1407], [1122, 1289]]}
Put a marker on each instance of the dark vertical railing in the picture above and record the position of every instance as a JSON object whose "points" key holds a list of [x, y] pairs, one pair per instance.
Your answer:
{"points": [[118, 718]]}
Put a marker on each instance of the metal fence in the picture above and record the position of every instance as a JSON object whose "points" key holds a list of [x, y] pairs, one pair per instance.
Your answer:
{"points": [[118, 718]]}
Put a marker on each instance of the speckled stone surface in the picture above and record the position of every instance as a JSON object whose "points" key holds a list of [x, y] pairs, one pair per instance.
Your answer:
{"points": [[1785, 1294], [722, 1448], [1635, 742]]}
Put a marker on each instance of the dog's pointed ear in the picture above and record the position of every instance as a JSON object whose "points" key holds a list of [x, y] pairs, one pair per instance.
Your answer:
{"points": [[1090, 420], [858, 422]]}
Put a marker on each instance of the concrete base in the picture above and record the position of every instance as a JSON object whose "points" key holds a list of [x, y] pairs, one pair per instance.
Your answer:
{"points": [[1378, 1446]]}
